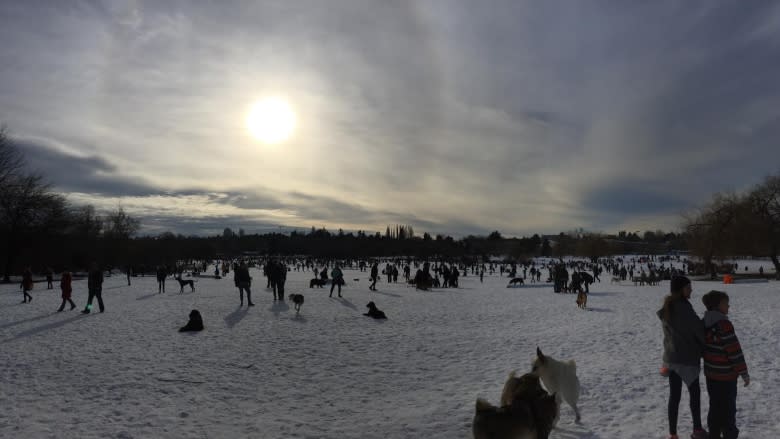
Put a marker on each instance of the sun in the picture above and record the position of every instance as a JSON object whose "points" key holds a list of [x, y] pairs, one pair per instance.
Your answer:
{"points": [[271, 120]]}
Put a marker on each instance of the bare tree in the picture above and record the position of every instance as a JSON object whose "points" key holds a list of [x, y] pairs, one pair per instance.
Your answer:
{"points": [[712, 229], [119, 225], [118, 228], [27, 205], [11, 160], [762, 219], [85, 223]]}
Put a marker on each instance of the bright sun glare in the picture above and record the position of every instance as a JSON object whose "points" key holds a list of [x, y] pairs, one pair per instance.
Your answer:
{"points": [[271, 120]]}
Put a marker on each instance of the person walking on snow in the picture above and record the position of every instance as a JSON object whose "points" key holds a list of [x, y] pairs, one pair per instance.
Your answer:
{"points": [[27, 284], [337, 278], [95, 287], [374, 276], [243, 282], [66, 287]]}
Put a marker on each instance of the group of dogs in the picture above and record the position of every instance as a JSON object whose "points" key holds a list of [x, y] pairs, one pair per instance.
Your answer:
{"points": [[195, 322], [582, 296], [527, 410]]}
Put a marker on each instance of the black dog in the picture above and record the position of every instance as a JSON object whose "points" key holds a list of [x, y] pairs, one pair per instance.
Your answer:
{"points": [[183, 283], [195, 323], [297, 299], [374, 312], [515, 281], [317, 282]]}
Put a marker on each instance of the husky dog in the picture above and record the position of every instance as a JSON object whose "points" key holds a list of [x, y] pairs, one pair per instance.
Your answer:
{"points": [[509, 422], [522, 419], [526, 387], [560, 378], [297, 299]]}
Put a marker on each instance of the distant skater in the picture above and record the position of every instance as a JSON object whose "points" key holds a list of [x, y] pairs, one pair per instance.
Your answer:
{"points": [[66, 287]]}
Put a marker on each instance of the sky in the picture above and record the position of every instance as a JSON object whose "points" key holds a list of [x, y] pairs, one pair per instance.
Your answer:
{"points": [[455, 117]]}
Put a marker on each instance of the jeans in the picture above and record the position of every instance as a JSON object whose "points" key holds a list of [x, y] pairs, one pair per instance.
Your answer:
{"points": [[722, 417]]}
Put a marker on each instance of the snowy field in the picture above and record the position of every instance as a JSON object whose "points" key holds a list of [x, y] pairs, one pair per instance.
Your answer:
{"points": [[333, 373]]}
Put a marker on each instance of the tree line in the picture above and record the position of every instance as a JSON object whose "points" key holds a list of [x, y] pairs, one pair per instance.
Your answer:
{"points": [[40, 228], [731, 224]]}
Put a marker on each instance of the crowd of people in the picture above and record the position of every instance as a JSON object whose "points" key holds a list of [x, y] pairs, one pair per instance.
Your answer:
{"points": [[687, 338]]}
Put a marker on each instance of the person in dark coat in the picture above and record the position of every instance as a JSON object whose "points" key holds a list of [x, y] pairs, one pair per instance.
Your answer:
{"points": [[243, 282], [338, 279], [27, 284], [683, 349], [374, 276], [162, 273], [67, 288], [95, 287], [49, 279], [278, 278]]}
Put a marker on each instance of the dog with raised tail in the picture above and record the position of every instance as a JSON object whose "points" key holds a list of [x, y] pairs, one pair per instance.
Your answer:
{"points": [[297, 299], [184, 282], [560, 378]]}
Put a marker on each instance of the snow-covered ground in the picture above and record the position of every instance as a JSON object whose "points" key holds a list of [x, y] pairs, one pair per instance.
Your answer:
{"points": [[333, 373]]}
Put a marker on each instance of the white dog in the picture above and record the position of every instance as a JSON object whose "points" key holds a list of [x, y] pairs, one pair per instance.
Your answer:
{"points": [[560, 378]]}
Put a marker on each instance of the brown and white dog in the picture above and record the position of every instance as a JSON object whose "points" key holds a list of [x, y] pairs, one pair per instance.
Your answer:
{"points": [[582, 300], [526, 412]]}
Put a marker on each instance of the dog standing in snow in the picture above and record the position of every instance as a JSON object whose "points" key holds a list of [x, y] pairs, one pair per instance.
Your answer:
{"points": [[297, 299], [560, 378]]}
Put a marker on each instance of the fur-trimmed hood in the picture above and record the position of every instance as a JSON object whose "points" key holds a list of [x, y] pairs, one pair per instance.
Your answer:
{"points": [[712, 317]]}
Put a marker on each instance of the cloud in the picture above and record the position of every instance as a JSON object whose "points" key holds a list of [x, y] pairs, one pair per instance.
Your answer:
{"points": [[522, 117], [76, 173]]}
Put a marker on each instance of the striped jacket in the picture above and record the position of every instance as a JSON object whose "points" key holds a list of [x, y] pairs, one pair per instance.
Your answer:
{"points": [[723, 359]]}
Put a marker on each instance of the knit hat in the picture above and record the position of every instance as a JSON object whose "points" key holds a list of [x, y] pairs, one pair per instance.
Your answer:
{"points": [[679, 282]]}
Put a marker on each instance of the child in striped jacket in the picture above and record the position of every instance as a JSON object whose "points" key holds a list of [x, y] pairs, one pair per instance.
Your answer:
{"points": [[723, 364]]}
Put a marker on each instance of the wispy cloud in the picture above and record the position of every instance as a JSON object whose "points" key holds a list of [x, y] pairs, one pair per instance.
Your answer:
{"points": [[522, 117]]}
